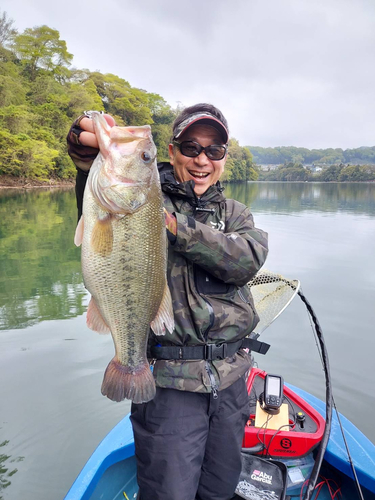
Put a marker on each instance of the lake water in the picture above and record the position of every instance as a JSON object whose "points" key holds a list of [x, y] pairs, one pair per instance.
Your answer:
{"points": [[52, 414]]}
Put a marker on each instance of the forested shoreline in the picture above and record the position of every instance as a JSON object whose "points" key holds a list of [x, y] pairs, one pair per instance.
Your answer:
{"points": [[324, 165], [286, 154], [41, 94]]}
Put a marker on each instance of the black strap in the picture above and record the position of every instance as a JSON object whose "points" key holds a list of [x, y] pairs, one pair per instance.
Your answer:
{"points": [[255, 345], [208, 352]]}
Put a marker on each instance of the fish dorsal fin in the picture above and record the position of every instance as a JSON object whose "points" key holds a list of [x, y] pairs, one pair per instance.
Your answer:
{"points": [[78, 237], [94, 319], [164, 317]]}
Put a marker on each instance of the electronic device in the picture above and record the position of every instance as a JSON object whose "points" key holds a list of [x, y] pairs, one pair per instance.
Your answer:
{"points": [[272, 397], [280, 440]]}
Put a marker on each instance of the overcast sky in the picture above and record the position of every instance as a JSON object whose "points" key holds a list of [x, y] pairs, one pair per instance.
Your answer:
{"points": [[284, 72]]}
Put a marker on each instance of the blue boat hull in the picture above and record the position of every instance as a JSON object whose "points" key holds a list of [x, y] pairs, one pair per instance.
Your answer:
{"points": [[361, 449], [110, 473]]}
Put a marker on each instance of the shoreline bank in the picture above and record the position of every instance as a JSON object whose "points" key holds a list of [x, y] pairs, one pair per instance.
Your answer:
{"points": [[8, 182]]}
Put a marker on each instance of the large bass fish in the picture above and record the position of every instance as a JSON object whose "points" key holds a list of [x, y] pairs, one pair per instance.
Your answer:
{"points": [[124, 257]]}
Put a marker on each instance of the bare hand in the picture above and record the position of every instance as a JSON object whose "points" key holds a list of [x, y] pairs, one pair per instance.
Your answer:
{"points": [[88, 137]]}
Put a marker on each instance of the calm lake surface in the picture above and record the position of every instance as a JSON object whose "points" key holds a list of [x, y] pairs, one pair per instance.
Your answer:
{"points": [[52, 414]]}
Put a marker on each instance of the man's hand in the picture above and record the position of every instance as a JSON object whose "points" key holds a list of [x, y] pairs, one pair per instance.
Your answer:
{"points": [[87, 137]]}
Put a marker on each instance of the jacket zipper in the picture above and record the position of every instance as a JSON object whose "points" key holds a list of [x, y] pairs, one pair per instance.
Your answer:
{"points": [[214, 387], [242, 297]]}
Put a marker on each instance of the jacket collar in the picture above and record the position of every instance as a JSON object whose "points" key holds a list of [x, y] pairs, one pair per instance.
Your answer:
{"points": [[185, 190]]}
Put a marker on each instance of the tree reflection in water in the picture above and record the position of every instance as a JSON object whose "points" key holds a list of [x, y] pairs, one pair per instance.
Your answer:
{"points": [[41, 276], [295, 197], [7, 469]]}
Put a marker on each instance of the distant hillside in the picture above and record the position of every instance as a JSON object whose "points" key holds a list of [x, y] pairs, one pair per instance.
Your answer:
{"points": [[283, 154]]}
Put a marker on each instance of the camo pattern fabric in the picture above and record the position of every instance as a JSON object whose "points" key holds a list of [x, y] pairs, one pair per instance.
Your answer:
{"points": [[83, 156], [216, 252]]}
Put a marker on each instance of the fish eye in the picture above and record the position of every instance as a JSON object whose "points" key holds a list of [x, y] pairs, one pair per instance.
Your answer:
{"points": [[145, 157]]}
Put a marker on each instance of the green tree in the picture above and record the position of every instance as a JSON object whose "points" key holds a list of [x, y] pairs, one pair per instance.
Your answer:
{"points": [[22, 156], [331, 173], [128, 105], [287, 172], [239, 165], [162, 116], [15, 119], [7, 32], [40, 48], [357, 173]]}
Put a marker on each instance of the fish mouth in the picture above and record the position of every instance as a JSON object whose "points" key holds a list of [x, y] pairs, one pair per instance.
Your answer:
{"points": [[116, 181], [126, 183]]}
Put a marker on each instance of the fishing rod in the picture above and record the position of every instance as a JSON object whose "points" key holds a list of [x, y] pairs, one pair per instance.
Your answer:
{"points": [[327, 429], [324, 360], [269, 308]]}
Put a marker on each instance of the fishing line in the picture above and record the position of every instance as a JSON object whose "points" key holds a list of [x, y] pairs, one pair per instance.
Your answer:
{"points": [[271, 299], [324, 442], [318, 334]]}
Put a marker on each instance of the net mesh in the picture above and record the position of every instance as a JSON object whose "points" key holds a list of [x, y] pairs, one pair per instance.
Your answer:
{"points": [[272, 293]]}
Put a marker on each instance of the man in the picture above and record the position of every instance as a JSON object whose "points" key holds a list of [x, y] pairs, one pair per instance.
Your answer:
{"points": [[188, 438]]}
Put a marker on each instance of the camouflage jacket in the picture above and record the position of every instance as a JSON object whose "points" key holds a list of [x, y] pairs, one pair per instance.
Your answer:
{"points": [[216, 252]]}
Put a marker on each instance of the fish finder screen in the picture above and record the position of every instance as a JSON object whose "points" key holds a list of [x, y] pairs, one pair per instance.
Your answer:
{"points": [[273, 386]]}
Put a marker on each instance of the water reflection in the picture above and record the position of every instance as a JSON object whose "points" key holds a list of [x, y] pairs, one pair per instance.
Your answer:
{"points": [[41, 273], [284, 197], [7, 469]]}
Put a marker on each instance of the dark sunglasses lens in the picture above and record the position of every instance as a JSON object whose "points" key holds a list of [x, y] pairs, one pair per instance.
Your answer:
{"points": [[190, 149], [193, 149], [215, 152]]}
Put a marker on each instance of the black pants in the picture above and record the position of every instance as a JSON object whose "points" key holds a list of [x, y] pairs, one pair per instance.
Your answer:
{"points": [[188, 444]]}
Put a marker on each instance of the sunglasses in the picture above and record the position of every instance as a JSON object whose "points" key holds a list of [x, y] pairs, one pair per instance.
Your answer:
{"points": [[192, 149]]}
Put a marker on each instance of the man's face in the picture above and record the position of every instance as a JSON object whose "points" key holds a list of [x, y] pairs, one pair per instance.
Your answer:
{"points": [[203, 171]]}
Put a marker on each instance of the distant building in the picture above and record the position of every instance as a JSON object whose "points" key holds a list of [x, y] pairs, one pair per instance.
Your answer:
{"points": [[267, 167]]}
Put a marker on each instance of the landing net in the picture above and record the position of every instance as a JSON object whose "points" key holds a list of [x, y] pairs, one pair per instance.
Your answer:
{"points": [[272, 293]]}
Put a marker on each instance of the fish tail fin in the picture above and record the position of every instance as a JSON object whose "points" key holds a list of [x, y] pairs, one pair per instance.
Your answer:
{"points": [[123, 382]]}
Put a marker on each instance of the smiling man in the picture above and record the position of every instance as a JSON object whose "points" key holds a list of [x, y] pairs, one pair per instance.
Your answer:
{"points": [[188, 438], [191, 139]]}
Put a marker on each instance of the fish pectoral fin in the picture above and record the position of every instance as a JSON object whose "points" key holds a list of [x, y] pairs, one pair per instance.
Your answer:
{"points": [[102, 236], [94, 319], [78, 237], [164, 317]]}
